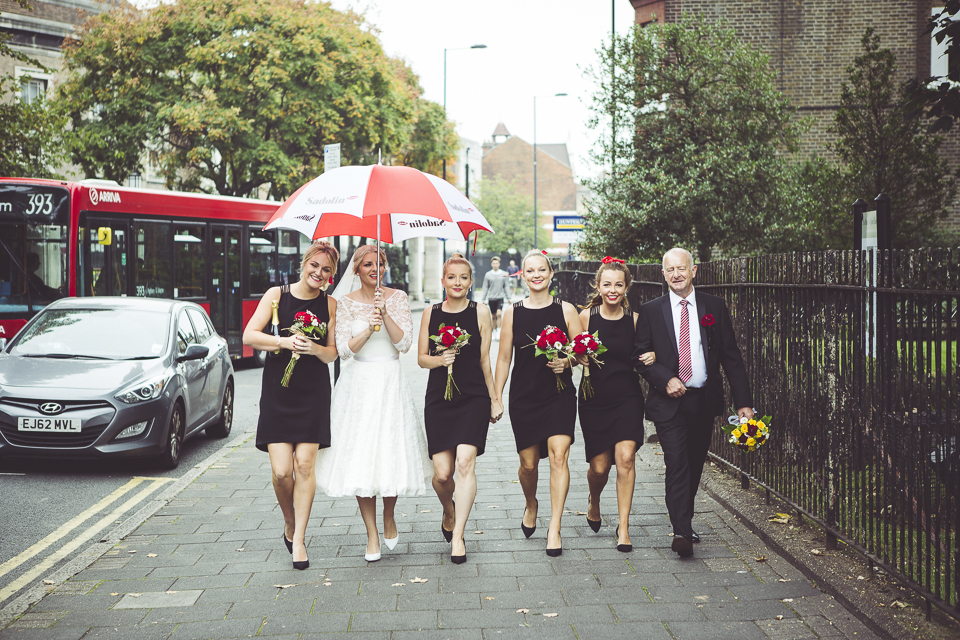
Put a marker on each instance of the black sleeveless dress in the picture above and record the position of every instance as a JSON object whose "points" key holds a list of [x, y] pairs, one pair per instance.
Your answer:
{"points": [[300, 412], [465, 419], [615, 411], [537, 410]]}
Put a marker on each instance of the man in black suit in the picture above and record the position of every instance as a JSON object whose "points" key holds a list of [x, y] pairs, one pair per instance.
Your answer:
{"points": [[692, 335]]}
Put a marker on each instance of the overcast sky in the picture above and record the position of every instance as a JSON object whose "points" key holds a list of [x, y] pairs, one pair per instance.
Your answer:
{"points": [[534, 48]]}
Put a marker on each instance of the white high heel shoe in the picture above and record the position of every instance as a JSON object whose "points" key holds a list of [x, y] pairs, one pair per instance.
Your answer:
{"points": [[372, 557], [392, 542]]}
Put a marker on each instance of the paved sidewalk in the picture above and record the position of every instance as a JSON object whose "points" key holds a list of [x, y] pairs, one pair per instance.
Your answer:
{"points": [[210, 564]]}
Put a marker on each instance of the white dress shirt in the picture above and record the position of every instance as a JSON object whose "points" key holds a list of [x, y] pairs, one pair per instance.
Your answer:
{"points": [[699, 377]]}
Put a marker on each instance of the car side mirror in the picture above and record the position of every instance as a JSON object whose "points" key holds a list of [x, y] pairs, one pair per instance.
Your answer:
{"points": [[194, 352]]}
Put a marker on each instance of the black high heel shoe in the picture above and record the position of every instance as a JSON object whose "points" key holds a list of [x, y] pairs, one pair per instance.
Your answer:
{"points": [[553, 553], [528, 531], [594, 524], [624, 548], [289, 543], [448, 535], [300, 566]]}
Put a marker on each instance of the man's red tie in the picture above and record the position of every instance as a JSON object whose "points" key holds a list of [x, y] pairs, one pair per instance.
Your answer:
{"points": [[686, 365]]}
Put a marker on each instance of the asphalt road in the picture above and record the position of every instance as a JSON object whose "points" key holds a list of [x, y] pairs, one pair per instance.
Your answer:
{"points": [[51, 510]]}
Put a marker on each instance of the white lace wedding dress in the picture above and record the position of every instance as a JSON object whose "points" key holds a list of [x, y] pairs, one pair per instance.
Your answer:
{"points": [[378, 446]]}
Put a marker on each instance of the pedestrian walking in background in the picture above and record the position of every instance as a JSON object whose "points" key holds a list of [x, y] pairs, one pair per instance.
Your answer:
{"points": [[457, 422], [692, 335], [378, 446], [495, 284], [513, 272], [611, 418], [295, 419], [543, 416]]}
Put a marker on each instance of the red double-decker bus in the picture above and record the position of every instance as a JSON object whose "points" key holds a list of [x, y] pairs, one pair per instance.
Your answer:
{"points": [[96, 238]]}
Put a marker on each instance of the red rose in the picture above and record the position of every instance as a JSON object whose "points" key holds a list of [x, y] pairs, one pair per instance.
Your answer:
{"points": [[579, 348], [456, 332], [542, 341], [447, 339], [707, 320], [592, 344]]}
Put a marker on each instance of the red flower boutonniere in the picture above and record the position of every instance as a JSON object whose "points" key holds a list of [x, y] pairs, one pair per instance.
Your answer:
{"points": [[708, 320]]}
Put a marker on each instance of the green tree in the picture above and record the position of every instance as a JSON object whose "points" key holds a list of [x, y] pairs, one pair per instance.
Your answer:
{"points": [[938, 97], [700, 144], [509, 213], [31, 140], [883, 150], [232, 95]]}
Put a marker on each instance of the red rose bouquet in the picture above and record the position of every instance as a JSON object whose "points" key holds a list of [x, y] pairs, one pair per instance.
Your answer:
{"points": [[308, 325], [747, 434], [552, 343], [589, 345], [450, 338]]}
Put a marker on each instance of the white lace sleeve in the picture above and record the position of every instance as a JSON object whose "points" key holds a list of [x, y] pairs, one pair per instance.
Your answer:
{"points": [[345, 319], [398, 306]]}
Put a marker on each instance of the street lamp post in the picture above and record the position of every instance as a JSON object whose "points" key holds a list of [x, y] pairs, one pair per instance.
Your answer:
{"points": [[475, 46], [556, 95]]}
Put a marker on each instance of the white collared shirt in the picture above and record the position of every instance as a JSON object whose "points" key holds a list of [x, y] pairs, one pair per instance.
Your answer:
{"points": [[699, 377]]}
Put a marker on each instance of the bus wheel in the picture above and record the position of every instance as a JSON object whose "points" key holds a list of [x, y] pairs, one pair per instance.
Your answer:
{"points": [[259, 358], [221, 429]]}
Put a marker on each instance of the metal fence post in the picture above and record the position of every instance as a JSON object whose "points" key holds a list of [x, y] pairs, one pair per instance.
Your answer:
{"points": [[859, 208], [832, 389]]}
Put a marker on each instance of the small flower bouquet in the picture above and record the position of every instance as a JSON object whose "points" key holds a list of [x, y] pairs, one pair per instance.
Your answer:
{"points": [[587, 344], [747, 434], [308, 325], [552, 343], [450, 337]]}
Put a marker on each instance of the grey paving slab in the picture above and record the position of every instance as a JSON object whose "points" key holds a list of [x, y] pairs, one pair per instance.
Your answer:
{"points": [[622, 631], [394, 621], [154, 600], [195, 613], [217, 629]]}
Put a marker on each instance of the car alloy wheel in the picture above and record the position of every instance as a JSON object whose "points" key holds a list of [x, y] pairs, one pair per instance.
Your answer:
{"points": [[170, 458], [221, 429]]}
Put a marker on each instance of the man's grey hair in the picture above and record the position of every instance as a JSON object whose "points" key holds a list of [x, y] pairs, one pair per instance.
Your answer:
{"points": [[681, 251]]}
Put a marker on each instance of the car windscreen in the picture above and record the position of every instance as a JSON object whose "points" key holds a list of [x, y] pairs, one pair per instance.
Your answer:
{"points": [[114, 334]]}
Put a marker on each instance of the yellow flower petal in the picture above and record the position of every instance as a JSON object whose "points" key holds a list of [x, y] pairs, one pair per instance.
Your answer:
{"points": [[751, 442]]}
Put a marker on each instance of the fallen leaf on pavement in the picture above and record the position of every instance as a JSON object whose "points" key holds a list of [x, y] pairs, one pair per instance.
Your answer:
{"points": [[284, 586], [49, 582], [523, 610], [550, 615], [779, 617], [479, 533], [657, 453], [151, 555], [784, 580], [816, 552], [493, 506], [427, 511], [896, 604], [580, 513], [170, 592], [782, 518], [788, 599], [490, 598], [134, 595], [761, 558], [116, 594], [399, 584], [240, 549], [418, 580], [132, 551]]}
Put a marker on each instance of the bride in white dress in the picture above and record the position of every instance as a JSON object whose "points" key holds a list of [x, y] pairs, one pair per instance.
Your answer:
{"points": [[378, 446]]}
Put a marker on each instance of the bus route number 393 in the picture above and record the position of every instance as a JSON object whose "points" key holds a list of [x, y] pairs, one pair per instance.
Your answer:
{"points": [[40, 204]]}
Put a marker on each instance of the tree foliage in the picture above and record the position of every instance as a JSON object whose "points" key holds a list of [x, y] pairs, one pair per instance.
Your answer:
{"points": [[700, 142], [231, 95], [31, 140], [883, 150], [509, 213]]}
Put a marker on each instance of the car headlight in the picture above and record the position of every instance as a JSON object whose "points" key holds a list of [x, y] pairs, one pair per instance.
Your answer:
{"points": [[143, 391]]}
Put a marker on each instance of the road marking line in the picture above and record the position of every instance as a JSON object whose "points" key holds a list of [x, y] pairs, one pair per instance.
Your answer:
{"points": [[71, 546], [66, 528]]}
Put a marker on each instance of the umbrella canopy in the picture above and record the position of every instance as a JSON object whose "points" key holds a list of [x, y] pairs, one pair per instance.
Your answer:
{"points": [[368, 192], [398, 227]]}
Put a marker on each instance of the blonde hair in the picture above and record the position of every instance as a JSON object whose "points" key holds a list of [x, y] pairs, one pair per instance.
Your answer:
{"points": [[535, 253], [363, 250], [324, 247], [595, 299], [457, 259]]}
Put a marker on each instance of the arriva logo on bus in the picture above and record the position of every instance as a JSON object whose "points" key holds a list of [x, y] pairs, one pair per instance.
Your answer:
{"points": [[96, 196]]}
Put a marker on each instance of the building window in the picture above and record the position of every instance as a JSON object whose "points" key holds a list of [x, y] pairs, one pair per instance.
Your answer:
{"points": [[33, 84], [941, 63]]}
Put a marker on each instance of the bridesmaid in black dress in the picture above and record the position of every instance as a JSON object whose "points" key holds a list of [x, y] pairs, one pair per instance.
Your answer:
{"points": [[612, 419], [543, 419], [457, 428], [295, 420]]}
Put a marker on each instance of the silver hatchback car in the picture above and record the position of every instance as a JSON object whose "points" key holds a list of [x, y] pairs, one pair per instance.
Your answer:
{"points": [[114, 377]]}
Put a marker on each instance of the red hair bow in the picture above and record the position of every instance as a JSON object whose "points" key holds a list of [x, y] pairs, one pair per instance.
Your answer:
{"points": [[608, 260], [543, 251]]}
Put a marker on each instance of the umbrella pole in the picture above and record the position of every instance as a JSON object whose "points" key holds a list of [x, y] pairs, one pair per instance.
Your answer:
{"points": [[377, 328]]}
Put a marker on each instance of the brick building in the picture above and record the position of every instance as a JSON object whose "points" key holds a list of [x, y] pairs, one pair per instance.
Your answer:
{"points": [[38, 32], [812, 42]]}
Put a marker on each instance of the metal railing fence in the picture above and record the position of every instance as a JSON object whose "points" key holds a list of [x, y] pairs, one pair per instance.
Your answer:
{"points": [[854, 355]]}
